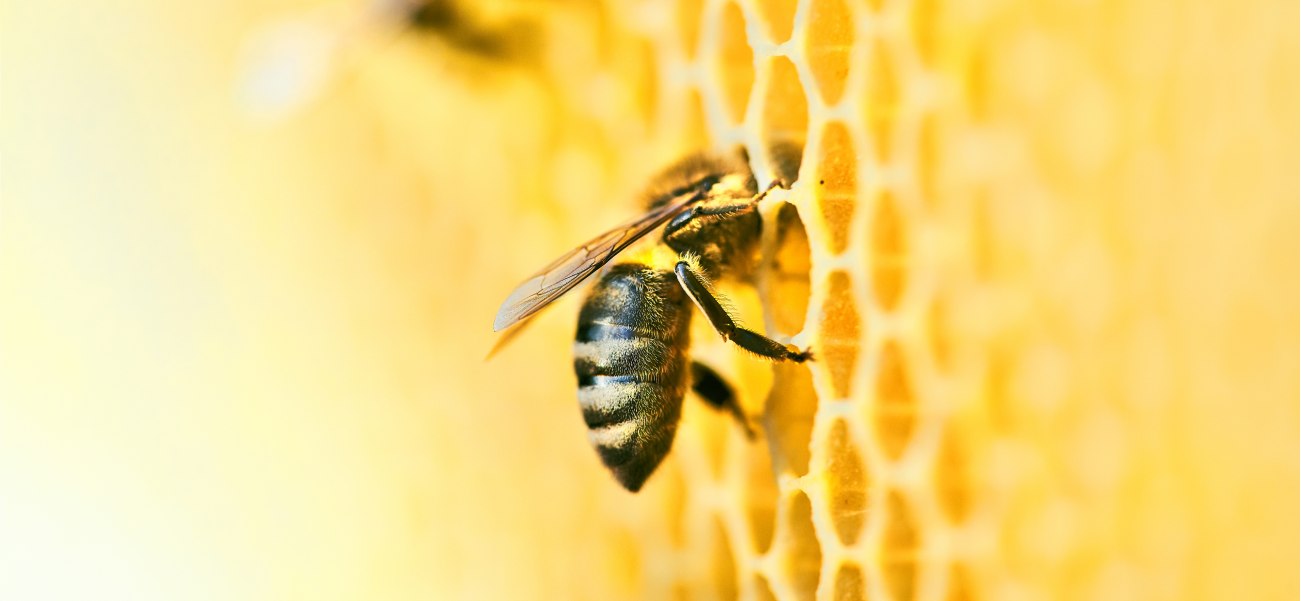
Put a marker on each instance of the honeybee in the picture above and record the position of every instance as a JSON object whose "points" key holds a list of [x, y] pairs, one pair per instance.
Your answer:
{"points": [[631, 347]]}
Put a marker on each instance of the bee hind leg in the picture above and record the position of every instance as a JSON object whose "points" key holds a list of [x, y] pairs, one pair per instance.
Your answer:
{"points": [[703, 295], [717, 393]]}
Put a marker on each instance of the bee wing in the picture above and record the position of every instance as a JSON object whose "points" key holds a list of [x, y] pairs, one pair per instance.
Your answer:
{"points": [[554, 280], [508, 335]]}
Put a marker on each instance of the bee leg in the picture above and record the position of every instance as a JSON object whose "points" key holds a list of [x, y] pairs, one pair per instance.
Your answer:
{"points": [[701, 293], [715, 391], [688, 216]]}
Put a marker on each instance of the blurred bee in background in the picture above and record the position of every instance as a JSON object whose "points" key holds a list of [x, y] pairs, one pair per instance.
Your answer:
{"points": [[631, 348], [289, 62]]}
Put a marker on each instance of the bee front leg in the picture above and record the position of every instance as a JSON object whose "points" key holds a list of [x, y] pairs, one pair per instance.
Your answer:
{"points": [[694, 215], [701, 292], [715, 391]]}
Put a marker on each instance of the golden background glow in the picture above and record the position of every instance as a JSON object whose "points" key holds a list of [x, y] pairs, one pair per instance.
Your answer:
{"points": [[1053, 290]]}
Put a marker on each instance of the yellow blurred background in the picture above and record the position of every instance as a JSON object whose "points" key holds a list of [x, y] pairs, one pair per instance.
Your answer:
{"points": [[241, 353]]}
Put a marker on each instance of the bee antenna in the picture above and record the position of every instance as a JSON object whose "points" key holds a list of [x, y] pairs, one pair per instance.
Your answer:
{"points": [[777, 183]]}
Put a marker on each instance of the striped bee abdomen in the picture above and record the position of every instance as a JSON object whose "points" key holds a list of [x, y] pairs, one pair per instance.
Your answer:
{"points": [[630, 355]]}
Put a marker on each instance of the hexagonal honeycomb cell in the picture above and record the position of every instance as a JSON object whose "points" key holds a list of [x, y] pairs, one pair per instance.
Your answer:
{"points": [[838, 339], [761, 493], [828, 52], [778, 18], [724, 564], [688, 14], [847, 490], [836, 188], [789, 413], [787, 273], [849, 583], [785, 110], [959, 586], [889, 252], [899, 548], [733, 64], [762, 592], [883, 97], [952, 487], [801, 559], [895, 405]]}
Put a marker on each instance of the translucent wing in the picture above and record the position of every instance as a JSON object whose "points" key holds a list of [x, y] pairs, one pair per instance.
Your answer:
{"points": [[554, 280]]}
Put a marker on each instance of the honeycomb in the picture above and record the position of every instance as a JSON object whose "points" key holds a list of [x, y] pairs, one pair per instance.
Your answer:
{"points": [[1045, 253], [968, 250]]}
